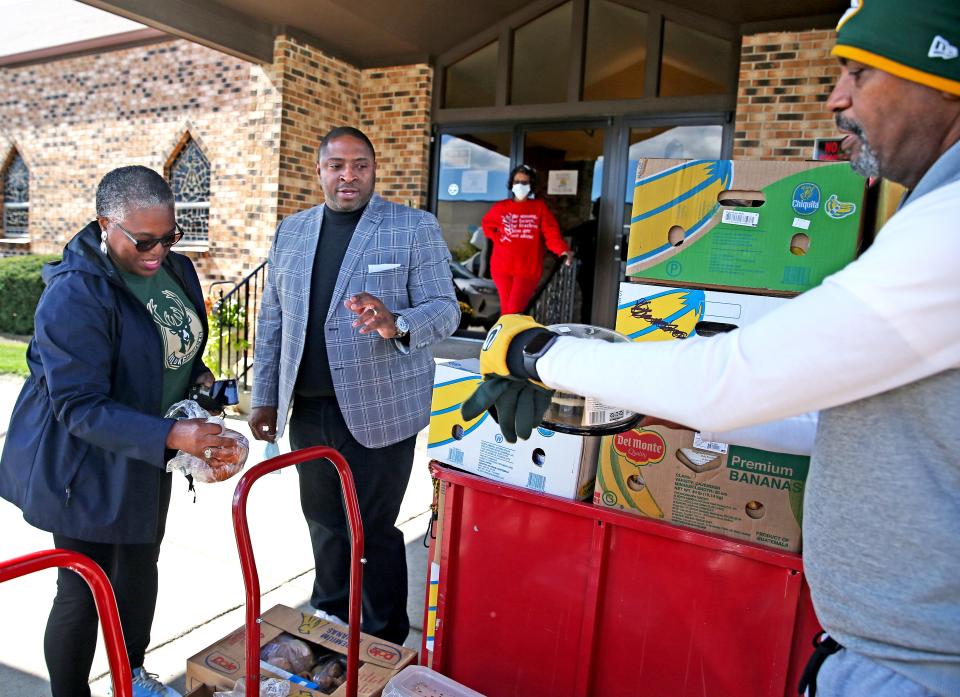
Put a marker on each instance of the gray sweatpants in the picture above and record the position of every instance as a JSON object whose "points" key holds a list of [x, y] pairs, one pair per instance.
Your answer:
{"points": [[849, 674]]}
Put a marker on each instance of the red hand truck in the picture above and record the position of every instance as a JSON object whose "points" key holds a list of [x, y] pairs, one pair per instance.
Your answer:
{"points": [[251, 580], [102, 595]]}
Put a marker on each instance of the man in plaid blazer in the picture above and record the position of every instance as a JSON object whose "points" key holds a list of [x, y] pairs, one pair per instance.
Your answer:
{"points": [[357, 290]]}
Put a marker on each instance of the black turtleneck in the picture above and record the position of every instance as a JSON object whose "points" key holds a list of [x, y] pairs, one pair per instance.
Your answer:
{"points": [[313, 377]]}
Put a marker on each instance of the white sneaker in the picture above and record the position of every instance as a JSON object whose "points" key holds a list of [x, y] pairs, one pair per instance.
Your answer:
{"points": [[328, 617], [146, 685]]}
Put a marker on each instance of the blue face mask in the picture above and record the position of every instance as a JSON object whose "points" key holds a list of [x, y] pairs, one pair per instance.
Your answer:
{"points": [[520, 191]]}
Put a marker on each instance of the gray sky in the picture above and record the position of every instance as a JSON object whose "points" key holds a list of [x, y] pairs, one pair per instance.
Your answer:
{"points": [[29, 25]]}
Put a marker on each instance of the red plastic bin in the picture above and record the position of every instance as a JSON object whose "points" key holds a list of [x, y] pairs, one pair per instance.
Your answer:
{"points": [[543, 596]]}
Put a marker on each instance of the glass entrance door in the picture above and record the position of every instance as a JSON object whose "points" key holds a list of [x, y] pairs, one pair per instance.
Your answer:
{"points": [[471, 174], [568, 162]]}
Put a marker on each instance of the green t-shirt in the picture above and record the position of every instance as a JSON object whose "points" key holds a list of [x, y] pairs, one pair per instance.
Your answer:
{"points": [[181, 330]]}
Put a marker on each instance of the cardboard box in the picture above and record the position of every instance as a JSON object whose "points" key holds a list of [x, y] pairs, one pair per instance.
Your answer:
{"points": [[553, 463], [744, 493], [201, 691], [658, 472], [658, 313], [223, 663], [702, 223]]}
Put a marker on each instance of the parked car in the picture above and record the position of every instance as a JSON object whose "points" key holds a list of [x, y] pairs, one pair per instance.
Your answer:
{"points": [[479, 293]]}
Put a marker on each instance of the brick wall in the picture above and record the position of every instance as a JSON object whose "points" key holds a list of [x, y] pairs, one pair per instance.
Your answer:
{"points": [[74, 119], [785, 79]]}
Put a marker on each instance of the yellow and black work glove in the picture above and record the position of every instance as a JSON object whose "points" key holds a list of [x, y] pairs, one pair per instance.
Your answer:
{"points": [[511, 389]]}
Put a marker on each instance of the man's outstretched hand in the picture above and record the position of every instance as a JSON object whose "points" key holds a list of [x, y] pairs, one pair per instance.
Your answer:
{"points": [[512, 394]]}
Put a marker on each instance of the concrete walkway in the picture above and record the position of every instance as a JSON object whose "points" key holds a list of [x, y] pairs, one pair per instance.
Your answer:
{"points": [[201, 590]]}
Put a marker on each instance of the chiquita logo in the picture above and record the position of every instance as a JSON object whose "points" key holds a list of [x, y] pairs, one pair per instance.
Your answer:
{"points": [[222, 663], [384, 653], [640, 447], [806, 199]]}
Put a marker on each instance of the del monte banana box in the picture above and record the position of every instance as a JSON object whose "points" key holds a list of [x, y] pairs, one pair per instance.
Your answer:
{"points": [[743, 493], [761, 227], [553, 463]]}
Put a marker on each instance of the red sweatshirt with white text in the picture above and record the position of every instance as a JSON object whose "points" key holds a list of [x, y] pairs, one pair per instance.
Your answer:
{"points": [[519, 230]]}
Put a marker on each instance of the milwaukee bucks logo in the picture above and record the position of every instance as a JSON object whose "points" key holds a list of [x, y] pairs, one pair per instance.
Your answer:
{"points": [[179, 326]]}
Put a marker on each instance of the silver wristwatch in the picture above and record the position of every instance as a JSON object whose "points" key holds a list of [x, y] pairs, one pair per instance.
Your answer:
{"points": [[402, 327]]}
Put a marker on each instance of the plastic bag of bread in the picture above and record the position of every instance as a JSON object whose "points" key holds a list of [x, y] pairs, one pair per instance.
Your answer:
{"points": [[225, 462], [330, 672], [288, 653]]}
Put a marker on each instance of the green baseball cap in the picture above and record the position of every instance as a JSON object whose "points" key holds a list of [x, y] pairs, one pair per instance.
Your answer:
{"points": [[917, 41]]}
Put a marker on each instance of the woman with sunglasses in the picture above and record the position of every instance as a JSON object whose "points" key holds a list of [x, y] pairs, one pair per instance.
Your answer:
{"points": [[519, 227], [119, 332]]}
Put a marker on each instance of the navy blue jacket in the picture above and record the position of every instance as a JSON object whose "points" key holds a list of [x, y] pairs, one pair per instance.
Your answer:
{"points": [[85, 454]]}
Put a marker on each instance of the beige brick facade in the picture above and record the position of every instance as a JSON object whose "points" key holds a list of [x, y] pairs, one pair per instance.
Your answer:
{"points": [[74, 119], [785, 79]]}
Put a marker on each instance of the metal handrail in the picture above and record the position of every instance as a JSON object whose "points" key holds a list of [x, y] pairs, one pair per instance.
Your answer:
{"points": [[553, 301], [102, 596], [245, 296], [248, 566]]}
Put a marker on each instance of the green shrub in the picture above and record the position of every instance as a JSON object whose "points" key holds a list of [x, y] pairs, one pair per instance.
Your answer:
{"points": [[20, 288], [231, 317]]}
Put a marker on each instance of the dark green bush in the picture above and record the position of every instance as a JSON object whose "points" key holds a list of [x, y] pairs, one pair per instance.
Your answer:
{"points": [[20, 288]]}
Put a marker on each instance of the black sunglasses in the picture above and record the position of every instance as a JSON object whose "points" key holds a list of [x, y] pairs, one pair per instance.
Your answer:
{"points": [[167, 240]]}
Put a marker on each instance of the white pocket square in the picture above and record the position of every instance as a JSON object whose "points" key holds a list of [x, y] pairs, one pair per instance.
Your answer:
{"points": [[374, 268]]}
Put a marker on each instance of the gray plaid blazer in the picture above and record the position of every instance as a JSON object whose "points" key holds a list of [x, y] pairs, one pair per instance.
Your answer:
{"points": [[382, 386]]}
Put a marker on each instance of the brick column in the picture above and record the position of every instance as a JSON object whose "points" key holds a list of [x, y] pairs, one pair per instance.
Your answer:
{"points": [[395, 106], [785, 79]]}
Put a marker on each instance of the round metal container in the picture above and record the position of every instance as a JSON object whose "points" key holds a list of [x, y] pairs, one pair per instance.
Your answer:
{"points": [[571, 413]]}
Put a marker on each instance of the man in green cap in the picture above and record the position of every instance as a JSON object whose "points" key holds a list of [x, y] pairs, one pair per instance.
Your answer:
{"points": [[874, 350]]}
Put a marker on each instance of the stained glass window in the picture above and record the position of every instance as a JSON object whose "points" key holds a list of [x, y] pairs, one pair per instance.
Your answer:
{"points": [[190, 181], [16, 199]]}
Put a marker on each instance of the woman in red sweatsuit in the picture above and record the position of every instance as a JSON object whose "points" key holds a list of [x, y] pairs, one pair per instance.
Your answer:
{"points": [[519, 227]]}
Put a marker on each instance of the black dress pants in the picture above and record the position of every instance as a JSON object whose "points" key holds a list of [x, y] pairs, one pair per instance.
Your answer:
{"points": [[70, 639], [380, 476]]}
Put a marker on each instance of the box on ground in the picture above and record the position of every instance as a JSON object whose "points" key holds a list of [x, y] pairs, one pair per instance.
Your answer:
{"points": [[420, 681], [742, 493], [761, 227], [554, 463], [223, 663], [200, 691]]}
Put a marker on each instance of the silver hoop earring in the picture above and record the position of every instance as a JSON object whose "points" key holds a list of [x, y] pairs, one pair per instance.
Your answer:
{"points": [[103, 242]]}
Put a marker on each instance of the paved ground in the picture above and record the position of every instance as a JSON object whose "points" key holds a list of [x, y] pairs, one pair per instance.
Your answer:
{"points": [[201, 590]]}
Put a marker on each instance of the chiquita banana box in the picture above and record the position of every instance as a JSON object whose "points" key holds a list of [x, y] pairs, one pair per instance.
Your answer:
{"points": [[742, 493], [661, 313], [553, 463], [763, 227]]}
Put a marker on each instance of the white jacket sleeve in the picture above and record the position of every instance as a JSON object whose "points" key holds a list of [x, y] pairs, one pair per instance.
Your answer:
{"points": [[890, 318], [794, 435]]}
